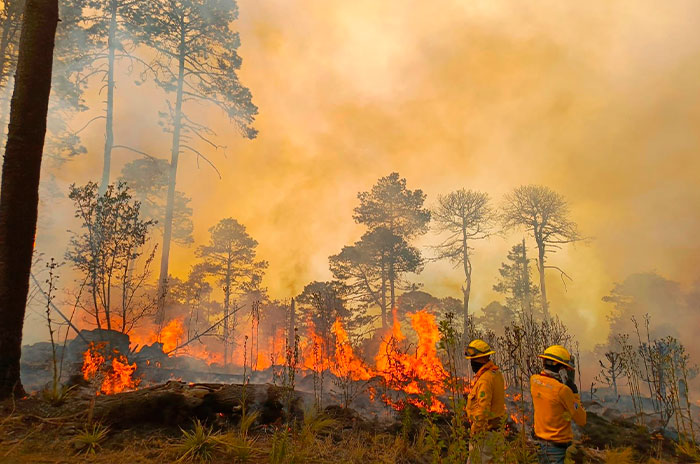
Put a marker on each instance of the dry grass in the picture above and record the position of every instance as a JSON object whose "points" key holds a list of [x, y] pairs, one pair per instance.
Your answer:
{"points": [[318, 439], [620, 456]]}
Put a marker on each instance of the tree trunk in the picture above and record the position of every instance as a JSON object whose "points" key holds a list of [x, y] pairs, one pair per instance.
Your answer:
{"points": [[109, 125], [19, 196], [466, 290], [384, 322], [175, 155], [543, 289], [527, 307], [5, 111], [227, 308], [392, 284], [292, 324]]}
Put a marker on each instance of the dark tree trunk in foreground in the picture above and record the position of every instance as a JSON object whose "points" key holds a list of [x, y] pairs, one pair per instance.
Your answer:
{"points": [[19, 198]]}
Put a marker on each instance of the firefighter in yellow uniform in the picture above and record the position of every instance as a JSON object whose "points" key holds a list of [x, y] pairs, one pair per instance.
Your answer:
{"points": [[557, 403], [486, 406]]}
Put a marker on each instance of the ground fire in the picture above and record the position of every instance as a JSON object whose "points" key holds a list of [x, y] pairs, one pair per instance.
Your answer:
{"points": [[413, 372], [113, 375]]}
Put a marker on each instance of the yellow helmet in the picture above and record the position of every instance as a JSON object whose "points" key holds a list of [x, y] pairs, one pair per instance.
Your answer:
{"points": [[559, 354], [478, 349]]}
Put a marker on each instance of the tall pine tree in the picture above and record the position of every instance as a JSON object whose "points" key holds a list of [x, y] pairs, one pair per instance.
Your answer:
{"points": [[197, 62]]}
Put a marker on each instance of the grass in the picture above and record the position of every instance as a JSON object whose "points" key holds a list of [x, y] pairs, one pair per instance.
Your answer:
{"points": [[620, 456], [90, 439], [317, 438], [315, 423], [57, 395], [280, 449], [688, 450], [199, 444]]}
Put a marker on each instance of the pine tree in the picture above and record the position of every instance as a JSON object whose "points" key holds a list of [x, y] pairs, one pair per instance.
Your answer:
{"points": [[230, 258], [197, 61], [516, 283]]}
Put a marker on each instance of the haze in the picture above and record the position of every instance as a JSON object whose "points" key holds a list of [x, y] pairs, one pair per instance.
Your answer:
{"points": [[598, 100]]}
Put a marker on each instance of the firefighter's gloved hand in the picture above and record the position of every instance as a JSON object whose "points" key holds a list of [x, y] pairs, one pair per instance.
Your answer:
{"points": [[571, 380]]}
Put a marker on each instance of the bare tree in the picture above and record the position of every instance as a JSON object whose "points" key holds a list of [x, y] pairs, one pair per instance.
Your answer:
{"points": [[464, 215], [544, 213], [19, 195], [611, 373]]}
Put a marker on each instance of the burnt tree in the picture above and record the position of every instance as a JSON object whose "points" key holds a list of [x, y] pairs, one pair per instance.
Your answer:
{"points": [[464, 216], [19, 197], [545, 214]]}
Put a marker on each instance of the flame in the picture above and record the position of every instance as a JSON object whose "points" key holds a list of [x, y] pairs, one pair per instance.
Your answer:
{"points": [[117, 377], [120, 377], [273, 353], [414, 374], [314, 351], [346, 364], [92, 361], [172, 336]]}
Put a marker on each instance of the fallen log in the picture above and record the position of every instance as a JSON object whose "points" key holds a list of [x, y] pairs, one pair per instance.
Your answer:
{"points": [[176, 403]]}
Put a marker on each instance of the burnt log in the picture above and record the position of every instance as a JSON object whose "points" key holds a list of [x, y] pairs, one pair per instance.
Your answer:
{"points": [[178, 403]]}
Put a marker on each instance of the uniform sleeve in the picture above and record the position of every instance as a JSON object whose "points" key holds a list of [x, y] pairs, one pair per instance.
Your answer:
{"points": [[573, 407], [482, 403]]}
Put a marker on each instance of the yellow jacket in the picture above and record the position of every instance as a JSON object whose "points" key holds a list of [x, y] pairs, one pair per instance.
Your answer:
{"points": [[555, 407], [486, 403]]}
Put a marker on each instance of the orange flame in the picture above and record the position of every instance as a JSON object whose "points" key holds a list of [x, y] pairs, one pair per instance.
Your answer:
{"points": [[414, 374], [346, 364], [273, 353], [172, 335], [118, 377], [314, 352], [92, 361]]}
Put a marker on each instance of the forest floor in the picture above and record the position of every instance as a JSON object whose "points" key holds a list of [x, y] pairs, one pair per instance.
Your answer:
{"points": [[34, 431]]}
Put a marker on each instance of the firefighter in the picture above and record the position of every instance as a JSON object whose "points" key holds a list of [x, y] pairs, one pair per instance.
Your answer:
{"points": [[486, 405], [556, 401]]}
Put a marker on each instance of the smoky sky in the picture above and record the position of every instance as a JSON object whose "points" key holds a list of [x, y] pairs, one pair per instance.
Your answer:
{"points": [[598, 100]]}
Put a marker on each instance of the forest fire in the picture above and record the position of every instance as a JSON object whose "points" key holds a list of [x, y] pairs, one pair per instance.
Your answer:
{"points": [[115, 377], [346, 363], [413, 374], [273, 354], [418, 374], [172, 336]]}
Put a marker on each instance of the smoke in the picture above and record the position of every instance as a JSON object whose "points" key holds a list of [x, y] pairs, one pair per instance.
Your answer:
{"points": [[597, 100]]}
